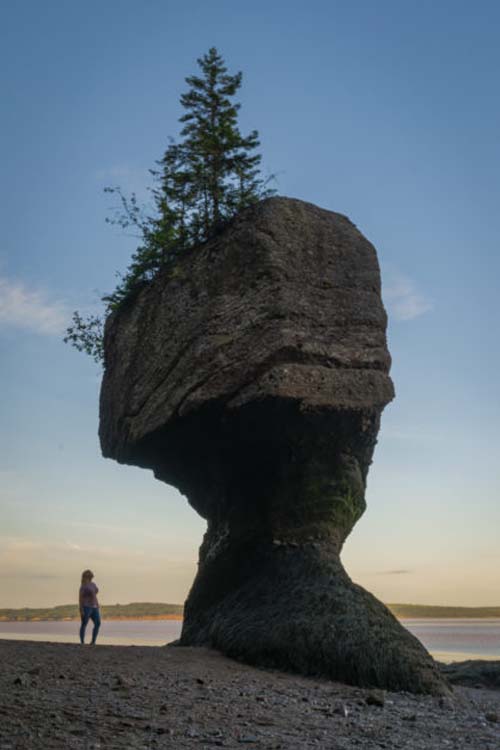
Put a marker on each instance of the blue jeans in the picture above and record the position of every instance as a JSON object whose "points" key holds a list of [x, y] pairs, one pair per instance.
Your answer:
{"points": [[90, 613]]}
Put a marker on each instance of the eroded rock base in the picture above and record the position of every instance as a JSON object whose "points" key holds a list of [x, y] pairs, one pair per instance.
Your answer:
{"points": [[295, 608]]}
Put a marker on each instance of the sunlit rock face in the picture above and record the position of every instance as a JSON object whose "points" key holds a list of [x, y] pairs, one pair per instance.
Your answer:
{"points": [[252, 377]]}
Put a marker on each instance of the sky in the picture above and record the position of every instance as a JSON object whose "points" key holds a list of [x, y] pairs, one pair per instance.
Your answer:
{"points": [[385, 111]]}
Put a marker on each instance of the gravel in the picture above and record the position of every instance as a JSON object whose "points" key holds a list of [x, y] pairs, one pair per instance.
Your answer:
{"points": [[91, 698]]}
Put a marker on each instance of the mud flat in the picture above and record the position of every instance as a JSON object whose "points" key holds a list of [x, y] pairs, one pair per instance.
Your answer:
{"points": [[69, 696]]}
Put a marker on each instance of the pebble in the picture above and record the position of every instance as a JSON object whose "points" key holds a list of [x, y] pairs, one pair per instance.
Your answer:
{"points": [[22, 680], [121, 682], [340, 709], [376, 698], [446, 703]]}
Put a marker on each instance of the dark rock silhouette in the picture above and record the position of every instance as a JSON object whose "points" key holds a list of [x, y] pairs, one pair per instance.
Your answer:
{"points": [[473, 673], [252, 377]]}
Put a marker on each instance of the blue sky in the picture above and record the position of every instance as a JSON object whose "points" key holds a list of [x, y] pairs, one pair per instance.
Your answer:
{"points": [[387, 112]]}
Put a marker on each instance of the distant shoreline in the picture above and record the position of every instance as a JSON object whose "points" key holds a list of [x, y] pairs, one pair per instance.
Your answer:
{"points": [[161, 611], [434, 612], [77, 618]]}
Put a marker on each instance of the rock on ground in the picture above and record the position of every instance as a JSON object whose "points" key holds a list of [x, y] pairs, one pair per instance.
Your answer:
{"points": [[473, 672]]}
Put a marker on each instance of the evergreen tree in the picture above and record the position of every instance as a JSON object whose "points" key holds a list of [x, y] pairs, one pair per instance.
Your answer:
{"points": [[219, 165], [200, 184]]}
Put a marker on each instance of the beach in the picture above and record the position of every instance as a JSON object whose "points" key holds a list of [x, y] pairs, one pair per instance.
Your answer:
{"points": [[57, 695]]}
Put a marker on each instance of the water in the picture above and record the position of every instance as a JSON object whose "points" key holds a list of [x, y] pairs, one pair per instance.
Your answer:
{"points": [[112, 632], [447, 640], [455, 640]]}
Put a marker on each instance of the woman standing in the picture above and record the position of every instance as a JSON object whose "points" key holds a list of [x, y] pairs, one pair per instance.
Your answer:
{"points": [[89, 606]]}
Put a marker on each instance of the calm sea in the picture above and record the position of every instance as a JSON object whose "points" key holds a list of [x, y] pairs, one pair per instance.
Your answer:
{"points": [[447, 640]]}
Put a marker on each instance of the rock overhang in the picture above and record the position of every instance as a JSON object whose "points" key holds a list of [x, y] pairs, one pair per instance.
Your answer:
{"points": [[284, 303]]}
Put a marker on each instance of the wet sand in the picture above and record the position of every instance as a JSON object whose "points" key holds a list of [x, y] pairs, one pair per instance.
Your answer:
{"points": [[91, 698]]}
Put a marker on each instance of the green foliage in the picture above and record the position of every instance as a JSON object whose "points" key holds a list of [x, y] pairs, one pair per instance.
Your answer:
{"points": [[201, 183], [86, 335], [221, 174]]}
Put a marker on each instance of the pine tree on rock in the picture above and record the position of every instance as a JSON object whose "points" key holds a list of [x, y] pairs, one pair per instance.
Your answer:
{"points": [[202, 182], [222, 169]]}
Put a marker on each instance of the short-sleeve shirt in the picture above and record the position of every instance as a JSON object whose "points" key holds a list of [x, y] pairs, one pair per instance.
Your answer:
{"points": [[88, 593]]}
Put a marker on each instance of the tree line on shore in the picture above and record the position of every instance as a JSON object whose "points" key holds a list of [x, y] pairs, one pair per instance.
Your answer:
{"points": [[135, 610], [138, 610]]}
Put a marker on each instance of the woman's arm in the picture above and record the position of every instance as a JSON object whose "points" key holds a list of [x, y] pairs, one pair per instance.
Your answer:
{"points": [[80, 601]]}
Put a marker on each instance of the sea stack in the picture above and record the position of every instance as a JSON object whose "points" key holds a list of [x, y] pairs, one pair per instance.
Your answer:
{"points": [[251, 375]]}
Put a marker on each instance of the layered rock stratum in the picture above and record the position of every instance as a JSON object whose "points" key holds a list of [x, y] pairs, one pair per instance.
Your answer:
{"points": [[252, 376]]}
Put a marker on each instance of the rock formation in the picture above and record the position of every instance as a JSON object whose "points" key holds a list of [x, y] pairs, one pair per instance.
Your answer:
{"points": [[252, 377], [473, 673]]}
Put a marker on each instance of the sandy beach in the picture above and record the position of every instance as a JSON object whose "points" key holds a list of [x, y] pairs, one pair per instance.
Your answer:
{"points": [[91, 698]]}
